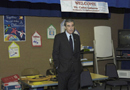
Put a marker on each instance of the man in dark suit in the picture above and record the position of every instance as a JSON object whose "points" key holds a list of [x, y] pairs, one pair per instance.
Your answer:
{"points": [[66, 57]]}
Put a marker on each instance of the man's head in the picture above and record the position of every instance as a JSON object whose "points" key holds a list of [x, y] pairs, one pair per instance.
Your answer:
{"points": [[69, 25]]}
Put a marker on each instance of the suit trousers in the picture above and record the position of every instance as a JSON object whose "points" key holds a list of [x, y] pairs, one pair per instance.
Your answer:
{"points": [[68, 80]]}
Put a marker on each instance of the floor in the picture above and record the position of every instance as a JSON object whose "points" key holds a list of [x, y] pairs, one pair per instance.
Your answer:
{"points": [[113, 88], [101, 85]]}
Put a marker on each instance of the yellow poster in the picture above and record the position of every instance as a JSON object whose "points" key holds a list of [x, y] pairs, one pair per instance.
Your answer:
{"points": [[14, 51]]}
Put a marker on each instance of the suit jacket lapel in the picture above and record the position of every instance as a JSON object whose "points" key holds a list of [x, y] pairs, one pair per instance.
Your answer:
{"points": [[66, 40], [74, 42]]}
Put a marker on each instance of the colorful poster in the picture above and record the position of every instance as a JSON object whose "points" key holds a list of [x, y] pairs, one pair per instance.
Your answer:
{"points": [[84, 6], [14, 28], [36, 40], [14, 50], [51, 32]]}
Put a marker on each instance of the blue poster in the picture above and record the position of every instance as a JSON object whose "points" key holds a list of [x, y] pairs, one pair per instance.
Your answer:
{"points": [[14, 28]]}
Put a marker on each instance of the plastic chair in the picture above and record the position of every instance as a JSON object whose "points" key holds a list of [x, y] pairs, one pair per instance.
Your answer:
{"points": [[86, 82], [113, 80]]}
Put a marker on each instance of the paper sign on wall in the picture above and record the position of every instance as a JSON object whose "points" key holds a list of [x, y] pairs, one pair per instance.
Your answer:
{"points": [[84, 6], [36, 40], [14, 50], [51, 32], [62, 27]]}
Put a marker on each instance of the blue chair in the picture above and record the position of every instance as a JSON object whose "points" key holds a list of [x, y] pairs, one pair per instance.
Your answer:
{"points": [[113, 80], [86, 82]]}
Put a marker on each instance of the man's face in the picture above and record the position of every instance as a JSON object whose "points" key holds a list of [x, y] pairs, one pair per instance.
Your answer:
{"points": [[69, 27]]}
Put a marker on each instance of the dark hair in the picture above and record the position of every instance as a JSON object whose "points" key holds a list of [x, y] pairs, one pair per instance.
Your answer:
{"points": [[68, 20]]}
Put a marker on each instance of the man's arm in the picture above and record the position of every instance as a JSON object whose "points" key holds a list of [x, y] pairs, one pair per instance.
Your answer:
{"points": [[79, 44], [56, 49]]}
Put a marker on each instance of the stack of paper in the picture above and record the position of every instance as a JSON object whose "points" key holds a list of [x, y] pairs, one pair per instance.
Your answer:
{"points": [[86, 62], [83, 59]]}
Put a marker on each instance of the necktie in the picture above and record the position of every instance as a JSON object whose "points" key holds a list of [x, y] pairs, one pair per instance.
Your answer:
{"points": [[71, 43]]}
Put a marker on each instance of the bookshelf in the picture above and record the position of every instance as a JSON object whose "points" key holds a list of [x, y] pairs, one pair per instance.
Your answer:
{"points": [[122, 55], [84, 61]]}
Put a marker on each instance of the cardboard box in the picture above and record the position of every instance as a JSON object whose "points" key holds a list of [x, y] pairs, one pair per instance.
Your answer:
{"points": [[11, 86]]}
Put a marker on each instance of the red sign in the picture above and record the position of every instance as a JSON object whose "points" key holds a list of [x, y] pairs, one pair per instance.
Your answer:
{"points": [[13, 78], [36, 40]]}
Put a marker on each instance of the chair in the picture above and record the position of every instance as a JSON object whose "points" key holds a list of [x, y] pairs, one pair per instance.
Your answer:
{"points": [[103, 45], [86, 82], [113, 80]]}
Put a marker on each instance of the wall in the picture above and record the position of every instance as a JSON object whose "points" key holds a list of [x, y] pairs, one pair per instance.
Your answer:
{"points": [[38, 57]]}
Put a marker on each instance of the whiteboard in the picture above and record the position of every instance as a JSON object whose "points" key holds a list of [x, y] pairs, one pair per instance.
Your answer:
{"points": [[103, 44]]}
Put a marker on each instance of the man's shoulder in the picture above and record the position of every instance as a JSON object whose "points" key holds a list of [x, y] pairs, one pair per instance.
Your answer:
{"points": [[60, 34]]}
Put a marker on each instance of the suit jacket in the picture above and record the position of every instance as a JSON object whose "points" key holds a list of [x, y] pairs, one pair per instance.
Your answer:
{"points": [[63, 56]]}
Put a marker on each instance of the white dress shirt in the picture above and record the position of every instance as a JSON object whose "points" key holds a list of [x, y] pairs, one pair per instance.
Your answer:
{"points": [[68, 36]]}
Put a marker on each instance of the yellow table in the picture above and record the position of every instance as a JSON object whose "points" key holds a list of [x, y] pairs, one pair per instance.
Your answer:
{"points": [[98, 77], [52, 83]]}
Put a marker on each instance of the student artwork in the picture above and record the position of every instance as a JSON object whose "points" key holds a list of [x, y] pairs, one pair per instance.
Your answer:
{"points": [[51, 32], [76, 32], [36, 40], [14, 51], [62, 28], [14, 28]]}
